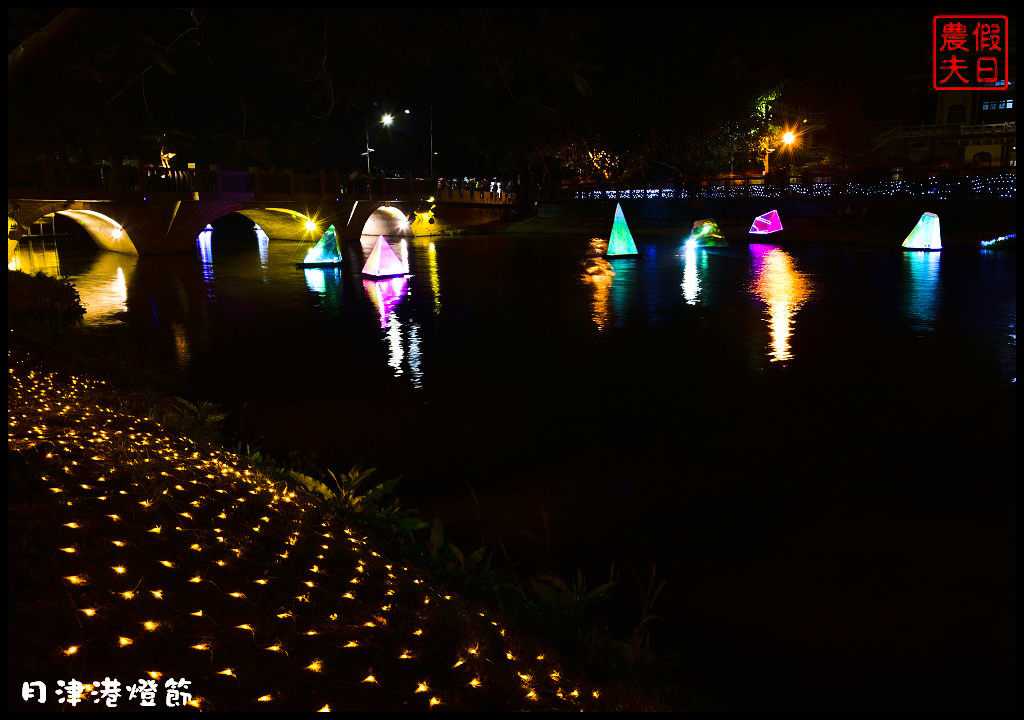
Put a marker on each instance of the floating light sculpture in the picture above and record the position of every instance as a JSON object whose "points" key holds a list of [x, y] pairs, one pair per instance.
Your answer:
{"points": [[925, 235], [263, 242], [766, 224], [621, 241], [383, 262], [325, 252], [706, 233]]}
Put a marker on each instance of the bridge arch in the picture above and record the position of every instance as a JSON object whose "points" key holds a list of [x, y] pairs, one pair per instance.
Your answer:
{"points": [[104, 230], [387, 221], [285, 223]]}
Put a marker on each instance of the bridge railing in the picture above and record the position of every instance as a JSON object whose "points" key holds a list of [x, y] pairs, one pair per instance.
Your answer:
{"points": [[487, 197], [106, 181], [996, 185]]}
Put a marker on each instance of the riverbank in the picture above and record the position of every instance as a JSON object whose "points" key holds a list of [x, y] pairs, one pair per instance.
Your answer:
{"points": [[142, 551], [963, 225]]}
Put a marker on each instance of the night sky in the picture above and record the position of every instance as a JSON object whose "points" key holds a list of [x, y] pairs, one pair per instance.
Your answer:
{"points": [[502, 87]]}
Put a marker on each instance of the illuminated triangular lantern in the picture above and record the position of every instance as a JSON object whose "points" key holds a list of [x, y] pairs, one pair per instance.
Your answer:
{"points": [[383, 262], [706, 233], [325, 251], [925, 235], [767, 223], [621, 240]]}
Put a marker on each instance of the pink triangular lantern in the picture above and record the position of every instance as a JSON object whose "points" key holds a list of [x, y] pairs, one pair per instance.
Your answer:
{"points": [[383, 262], [767, 223]]}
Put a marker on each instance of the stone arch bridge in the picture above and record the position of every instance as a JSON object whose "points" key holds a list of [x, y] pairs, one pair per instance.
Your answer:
{"points": [[166, 215]]}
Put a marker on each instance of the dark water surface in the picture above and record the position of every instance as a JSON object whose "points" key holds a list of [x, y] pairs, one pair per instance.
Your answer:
{"points": [[814, 447]]}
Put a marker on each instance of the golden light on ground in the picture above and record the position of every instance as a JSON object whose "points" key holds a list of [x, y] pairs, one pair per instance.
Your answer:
{"points": [[206, 561]]}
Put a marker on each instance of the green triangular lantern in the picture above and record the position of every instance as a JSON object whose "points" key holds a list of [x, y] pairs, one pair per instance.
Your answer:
{"points": [[325, 252], [621, 240]]}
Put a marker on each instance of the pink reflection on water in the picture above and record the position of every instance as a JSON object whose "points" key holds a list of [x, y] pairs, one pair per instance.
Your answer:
{"points": [[386, 294]]}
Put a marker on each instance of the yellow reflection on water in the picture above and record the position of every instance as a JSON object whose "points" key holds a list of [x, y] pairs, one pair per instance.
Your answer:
{"points": [[435, 279], [35, 256], [600, 274], [103, 288], [783, 289], [182, 350]]}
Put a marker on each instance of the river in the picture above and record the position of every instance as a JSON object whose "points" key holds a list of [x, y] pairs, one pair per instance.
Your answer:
{"points": [[814, 447]]}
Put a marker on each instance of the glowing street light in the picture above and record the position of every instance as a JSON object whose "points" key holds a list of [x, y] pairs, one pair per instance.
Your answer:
{"points": [[788, 139], [385, 120]]}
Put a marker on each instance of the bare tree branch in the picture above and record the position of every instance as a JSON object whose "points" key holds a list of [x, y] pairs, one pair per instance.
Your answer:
{"points": [[21, 57]]}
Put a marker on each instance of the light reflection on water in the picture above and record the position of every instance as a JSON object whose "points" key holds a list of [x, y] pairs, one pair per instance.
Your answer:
{"points": [[102, 286], [617, 294], [386, 295], [783, 289], [695, 261], [36, 256], [600, 275], [319, 279], [623, 289], [435, 277], [263, 242], [511, 380], [205, 244], [921, 292]]}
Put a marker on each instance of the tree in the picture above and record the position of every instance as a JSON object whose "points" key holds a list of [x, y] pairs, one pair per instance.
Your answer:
{"points": [[39, 41]]}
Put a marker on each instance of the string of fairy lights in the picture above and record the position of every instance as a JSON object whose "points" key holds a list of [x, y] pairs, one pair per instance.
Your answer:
{"points": [[179, 566], [1002, 186]]}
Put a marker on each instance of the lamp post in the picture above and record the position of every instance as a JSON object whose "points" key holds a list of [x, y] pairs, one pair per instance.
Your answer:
{"points": [[787, 139], [385, 120]]}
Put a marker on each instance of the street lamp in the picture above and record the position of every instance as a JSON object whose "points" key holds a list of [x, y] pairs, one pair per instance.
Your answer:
{"points": [[431, 126], [787, 139], [385, 120]]}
